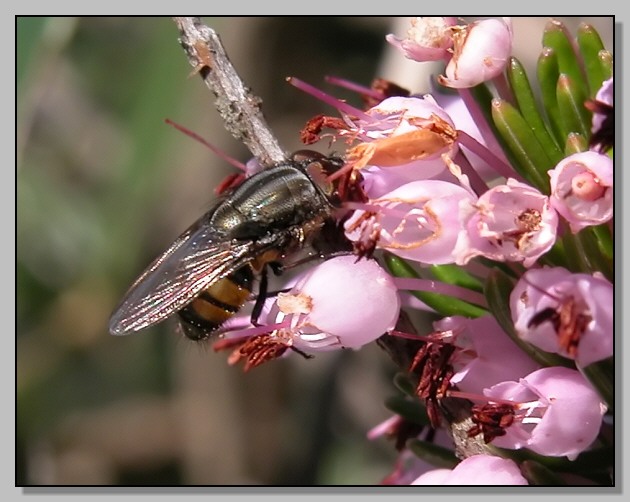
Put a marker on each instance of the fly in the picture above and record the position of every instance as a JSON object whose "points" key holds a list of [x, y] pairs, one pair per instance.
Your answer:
{"points": [[207, 275]]}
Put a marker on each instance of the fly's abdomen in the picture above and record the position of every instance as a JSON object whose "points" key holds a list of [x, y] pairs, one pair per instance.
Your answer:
{"points": [[216, 304]]}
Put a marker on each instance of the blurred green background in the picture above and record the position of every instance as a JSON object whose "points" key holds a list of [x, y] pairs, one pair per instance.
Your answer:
{"points": [[104, 185]]}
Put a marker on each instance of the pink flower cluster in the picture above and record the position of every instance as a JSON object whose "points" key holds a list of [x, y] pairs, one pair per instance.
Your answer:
{"points": [[434, 194]]}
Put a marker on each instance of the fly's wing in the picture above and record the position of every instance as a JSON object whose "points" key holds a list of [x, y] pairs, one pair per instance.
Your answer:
{"points": [[199, 257]]}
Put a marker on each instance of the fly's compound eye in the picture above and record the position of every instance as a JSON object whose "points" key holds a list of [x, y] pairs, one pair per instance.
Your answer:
{"points": [[303, 156], [318, 174]]}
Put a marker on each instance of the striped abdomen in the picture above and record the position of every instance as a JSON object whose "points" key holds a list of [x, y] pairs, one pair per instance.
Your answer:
{"points": [[216, 304]]}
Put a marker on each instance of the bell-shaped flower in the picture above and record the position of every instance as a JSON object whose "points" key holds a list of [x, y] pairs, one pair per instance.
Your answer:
{"points": [[341, 303], [421, 221], [481, 52], [482, 350], [565, 313], [318, 313], [556, 412], [582, 189], [512, 222], [402, 137]]}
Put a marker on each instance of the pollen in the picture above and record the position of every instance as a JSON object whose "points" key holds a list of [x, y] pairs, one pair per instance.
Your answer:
{"points": [[299, 303]]}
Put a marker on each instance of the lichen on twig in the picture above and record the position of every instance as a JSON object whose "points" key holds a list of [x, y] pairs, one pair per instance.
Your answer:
{"points": [[239, 108]]}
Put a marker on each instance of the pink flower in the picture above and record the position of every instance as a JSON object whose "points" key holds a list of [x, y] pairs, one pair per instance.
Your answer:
{"points": [[428, 39], [404, 137], [421, 220], [340, 303], [482, 351], [557, 412], [476, 470], [319, 313], [569, 314], [455, 106], [582, 189], [513, 222], [481, 52]]}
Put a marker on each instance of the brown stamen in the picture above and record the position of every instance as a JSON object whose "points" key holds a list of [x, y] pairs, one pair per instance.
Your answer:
{"points": [[258, 350], [491, 420], [311, 133], [568, 321], [436, 371]]}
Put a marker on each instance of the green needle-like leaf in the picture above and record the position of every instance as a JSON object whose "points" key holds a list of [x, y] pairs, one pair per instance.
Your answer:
{"points": [[532, 161], [589, 463], [556, 256], [456, 275], [529, 109], [539, 475], [606, 62], [558, 38], [513, 270], [547, 73], [580, 262], [590, 44], [576, 143], [604, 240], [435, 455], [404, 384], [601, 374], [498, 289], [443, 304], [573, 114], [597, 258], [412, 410], [483, 97]]}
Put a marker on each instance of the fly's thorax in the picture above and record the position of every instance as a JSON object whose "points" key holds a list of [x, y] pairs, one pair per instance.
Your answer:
{"points": [[274, 199]]}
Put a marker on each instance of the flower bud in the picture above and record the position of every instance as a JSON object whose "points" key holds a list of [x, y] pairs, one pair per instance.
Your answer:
{"points": [[340, 303], [481, 52]]}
